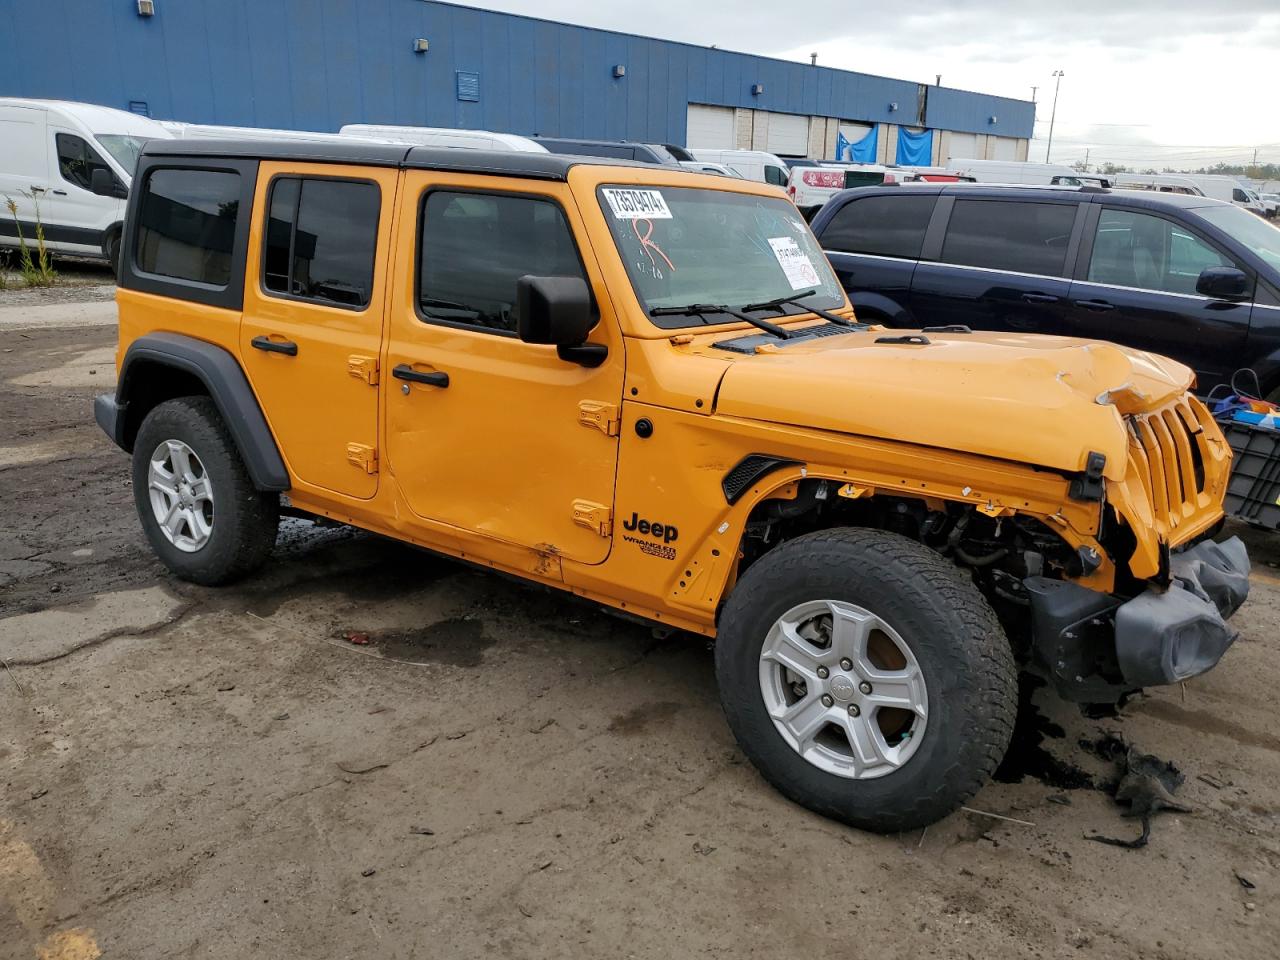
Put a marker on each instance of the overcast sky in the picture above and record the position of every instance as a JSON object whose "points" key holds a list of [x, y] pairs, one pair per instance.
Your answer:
{"points": [[1148, 82]]}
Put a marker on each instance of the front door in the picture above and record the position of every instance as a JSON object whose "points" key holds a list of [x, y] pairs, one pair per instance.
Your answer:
{"points": [[313, 311], [75, 216], [487, 434], [1138, 288]]}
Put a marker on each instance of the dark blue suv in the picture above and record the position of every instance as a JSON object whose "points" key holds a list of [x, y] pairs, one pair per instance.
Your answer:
{"points": [[1188, 277]]}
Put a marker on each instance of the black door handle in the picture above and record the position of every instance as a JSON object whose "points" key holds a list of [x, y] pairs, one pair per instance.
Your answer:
{"points": [[435, 379], [287, 347], [1039, 298], [59, 193], [1098, 306]]}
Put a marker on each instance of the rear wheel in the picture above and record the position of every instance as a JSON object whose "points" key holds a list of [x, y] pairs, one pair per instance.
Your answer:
{"points": [[866, 678], [198, 506]]}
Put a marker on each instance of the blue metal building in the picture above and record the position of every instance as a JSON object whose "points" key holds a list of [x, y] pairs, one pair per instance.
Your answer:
{"points": [[317, 64]]}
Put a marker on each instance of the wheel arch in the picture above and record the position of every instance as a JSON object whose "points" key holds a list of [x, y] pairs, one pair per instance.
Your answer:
{"points": [[161, 366], [868, 302]]}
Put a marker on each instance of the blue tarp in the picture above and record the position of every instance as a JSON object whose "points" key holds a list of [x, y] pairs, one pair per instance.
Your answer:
{"points": [[864, 151], [914, 149]]}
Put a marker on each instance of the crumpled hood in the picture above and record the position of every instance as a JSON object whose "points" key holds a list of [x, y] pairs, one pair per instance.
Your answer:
{"points": [[1026, 398]]}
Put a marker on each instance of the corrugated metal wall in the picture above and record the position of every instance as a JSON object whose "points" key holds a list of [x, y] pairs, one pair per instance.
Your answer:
{"points": [[317, 64]]}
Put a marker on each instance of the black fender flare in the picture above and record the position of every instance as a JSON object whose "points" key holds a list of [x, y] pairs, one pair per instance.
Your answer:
{"points": [[228, 386]]}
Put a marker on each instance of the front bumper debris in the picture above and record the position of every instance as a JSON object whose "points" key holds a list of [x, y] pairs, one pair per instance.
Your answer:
{"points": [[1094, 646]]}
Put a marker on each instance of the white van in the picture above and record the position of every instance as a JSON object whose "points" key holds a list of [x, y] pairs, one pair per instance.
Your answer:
{"points": [[749, 164], [443, 137], [52, 150], [211, 131], [1216, 186], [1015, 171]]}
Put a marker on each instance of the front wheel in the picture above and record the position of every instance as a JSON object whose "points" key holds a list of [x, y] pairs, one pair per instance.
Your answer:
{"points": [[866, 678], [198, 506]]}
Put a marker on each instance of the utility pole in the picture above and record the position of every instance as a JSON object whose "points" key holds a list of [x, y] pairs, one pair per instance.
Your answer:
{"points": [[1086, 159], [1033, 94], [1058, 74], [937, 81], [813, 59]]}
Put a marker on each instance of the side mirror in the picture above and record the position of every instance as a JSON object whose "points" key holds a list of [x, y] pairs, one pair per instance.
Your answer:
{"points": [[104, 183], [554, 310], [1223, 283]]}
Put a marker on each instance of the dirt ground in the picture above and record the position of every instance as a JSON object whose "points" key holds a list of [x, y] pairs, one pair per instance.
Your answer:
{"points": [[505, 772]]}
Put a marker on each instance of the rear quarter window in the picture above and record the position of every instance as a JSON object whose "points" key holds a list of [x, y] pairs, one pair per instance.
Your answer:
{"points": [[187, 225], [883, 226]]}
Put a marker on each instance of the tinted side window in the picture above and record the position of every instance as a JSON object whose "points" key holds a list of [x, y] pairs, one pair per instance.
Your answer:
{"points": [[321, 239], [475, 247], [186, 225], [1010, 235], [1239, 196], [775, 175], [884, 226], [77, 160], [1150, 253]]}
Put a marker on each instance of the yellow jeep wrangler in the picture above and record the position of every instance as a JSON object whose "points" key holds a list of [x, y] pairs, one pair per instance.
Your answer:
{"points": [[646, 387]]}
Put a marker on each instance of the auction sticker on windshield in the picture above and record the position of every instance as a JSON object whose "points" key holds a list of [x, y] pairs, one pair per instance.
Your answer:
{"points": [[631, 204], [795, 263]]}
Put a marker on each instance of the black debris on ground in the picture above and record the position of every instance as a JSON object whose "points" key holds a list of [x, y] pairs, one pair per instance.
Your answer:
{"points": [[1147, 785]]}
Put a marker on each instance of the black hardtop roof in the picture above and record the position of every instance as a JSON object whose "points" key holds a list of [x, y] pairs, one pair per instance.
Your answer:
{"points": [[511, 163]]}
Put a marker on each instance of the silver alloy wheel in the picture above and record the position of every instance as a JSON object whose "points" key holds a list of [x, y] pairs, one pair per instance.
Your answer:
{"points": [[843, 689], [181, 495]]}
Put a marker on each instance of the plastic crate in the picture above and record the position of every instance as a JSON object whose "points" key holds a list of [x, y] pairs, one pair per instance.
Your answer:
{"points": [[1253, 493]]}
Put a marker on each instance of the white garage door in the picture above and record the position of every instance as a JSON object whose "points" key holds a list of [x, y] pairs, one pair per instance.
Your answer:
{"points": [[1006, 148], [709, 128], [964, 146], [788, 135]]}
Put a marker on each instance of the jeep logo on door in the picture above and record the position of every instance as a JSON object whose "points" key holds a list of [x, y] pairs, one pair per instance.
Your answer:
{"points": [[661, 534]]}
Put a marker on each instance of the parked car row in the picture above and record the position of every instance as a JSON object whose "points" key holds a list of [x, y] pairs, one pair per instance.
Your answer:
{"points": [[1190, 277]]}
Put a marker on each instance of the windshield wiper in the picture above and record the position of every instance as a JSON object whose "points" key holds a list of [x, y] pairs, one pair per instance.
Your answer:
{"points": [[797, 299], [696, 309]]}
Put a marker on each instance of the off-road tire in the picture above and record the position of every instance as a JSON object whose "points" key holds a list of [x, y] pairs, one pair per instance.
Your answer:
{"points": [[245, 519], [953, 633]]}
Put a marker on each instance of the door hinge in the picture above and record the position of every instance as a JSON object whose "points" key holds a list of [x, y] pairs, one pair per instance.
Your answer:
{"points": [[603, 416], [363, 456], [363, 368], [593, 516]]}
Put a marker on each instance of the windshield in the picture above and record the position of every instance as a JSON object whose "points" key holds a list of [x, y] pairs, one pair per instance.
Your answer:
{"points": [[684, 245], [1247, 229], [123, 147]]}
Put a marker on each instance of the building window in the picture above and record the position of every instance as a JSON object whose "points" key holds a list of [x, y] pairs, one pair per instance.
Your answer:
{"points": [[321, 239], [474, 249], [187, 225]]}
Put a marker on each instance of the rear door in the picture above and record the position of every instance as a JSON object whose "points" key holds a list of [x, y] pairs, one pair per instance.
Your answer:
{"points": [[997, 264], [1137, 286], [24, 170], [874, 243], [311, 331]]}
